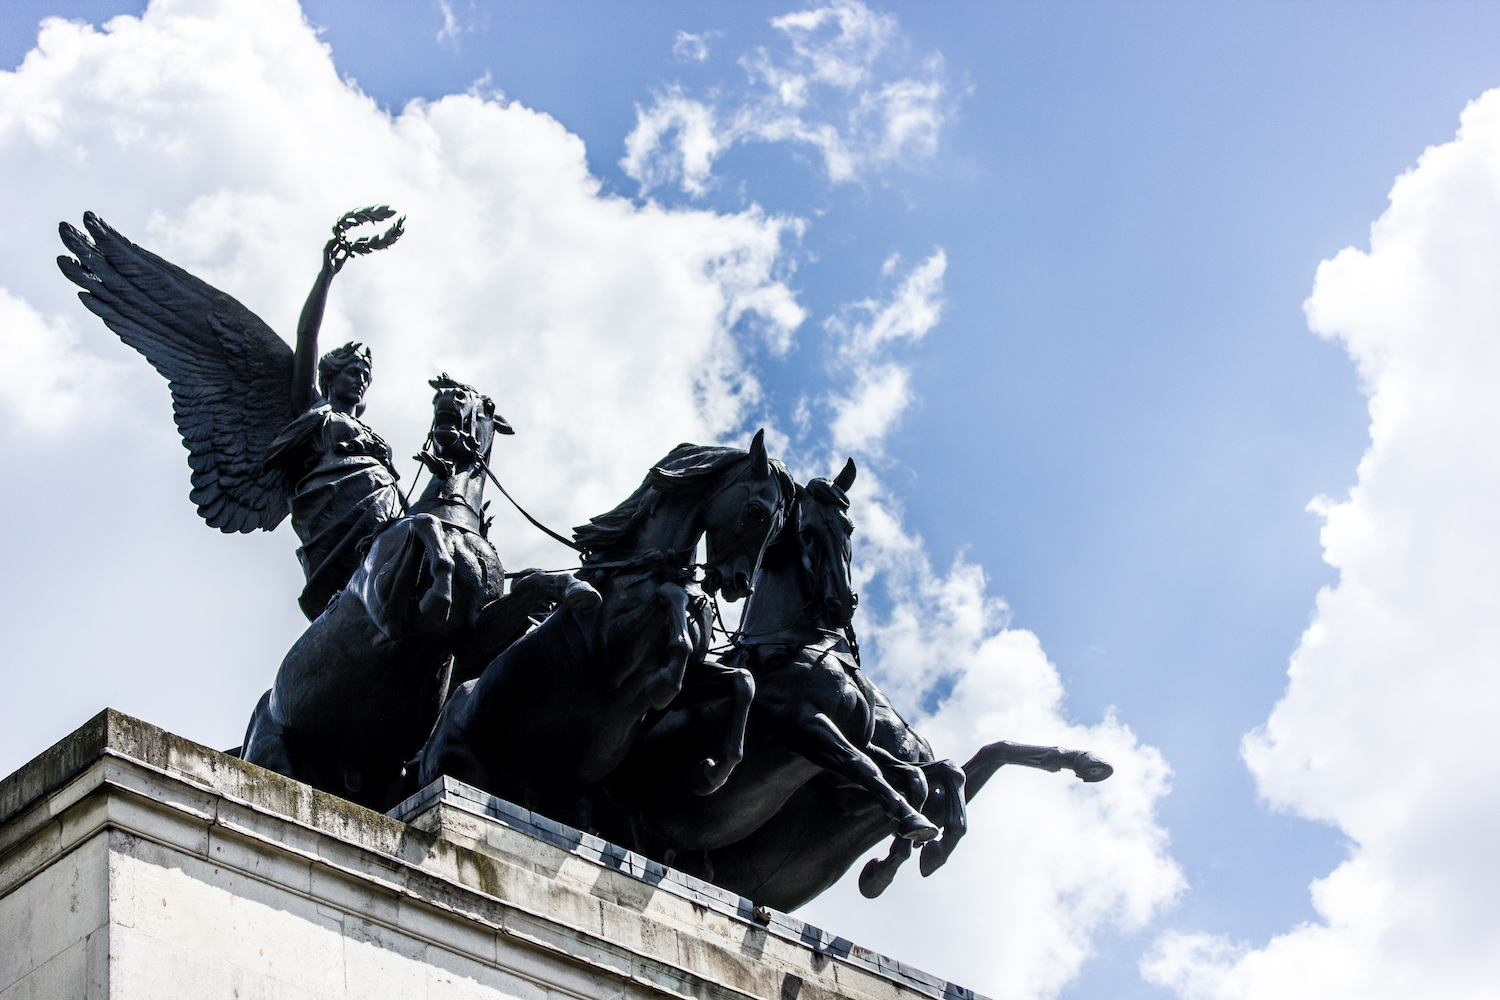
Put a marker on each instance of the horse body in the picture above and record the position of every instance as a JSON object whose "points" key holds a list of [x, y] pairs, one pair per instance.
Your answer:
{"points": [[812, 709], [558, 710], [359, 691]]}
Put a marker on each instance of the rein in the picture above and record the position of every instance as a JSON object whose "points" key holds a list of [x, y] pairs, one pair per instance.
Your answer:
{"points": [[526, 514]]}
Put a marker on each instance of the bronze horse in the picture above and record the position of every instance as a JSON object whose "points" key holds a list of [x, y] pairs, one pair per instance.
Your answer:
{"points": [[359, 692], [783, 857], [813, 709], [558, 710]]}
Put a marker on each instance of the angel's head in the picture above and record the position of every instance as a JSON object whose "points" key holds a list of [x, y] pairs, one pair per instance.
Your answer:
{"points": [[343, 377]]}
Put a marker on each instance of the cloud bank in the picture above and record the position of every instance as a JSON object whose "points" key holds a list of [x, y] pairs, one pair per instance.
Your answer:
{"points": [[847, 89], [1388, 720], [221, 136]]}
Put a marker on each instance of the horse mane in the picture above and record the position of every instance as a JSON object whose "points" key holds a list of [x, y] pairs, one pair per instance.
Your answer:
{"points": [[685, 468]]}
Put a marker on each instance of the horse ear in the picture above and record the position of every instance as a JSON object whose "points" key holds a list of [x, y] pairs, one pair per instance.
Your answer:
{"points": [[845, 478], [760, 466]]}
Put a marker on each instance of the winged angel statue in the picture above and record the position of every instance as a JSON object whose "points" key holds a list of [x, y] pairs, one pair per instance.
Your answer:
{"points": [[269, 430]]}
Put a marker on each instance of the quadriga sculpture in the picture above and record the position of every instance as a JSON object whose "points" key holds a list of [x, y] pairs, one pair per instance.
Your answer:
{"points": [[558, 710]]}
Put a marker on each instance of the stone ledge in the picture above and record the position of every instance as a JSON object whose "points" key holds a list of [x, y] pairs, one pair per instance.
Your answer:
{"points": [[452, 867]]}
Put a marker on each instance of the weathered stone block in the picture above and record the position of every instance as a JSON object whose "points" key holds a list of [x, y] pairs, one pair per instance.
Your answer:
{"points": [[136, 864]]}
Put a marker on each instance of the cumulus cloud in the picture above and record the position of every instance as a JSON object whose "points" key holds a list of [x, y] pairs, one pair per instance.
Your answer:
{"points": [[847, 89], [47, 381], [1387, 724], [945, 653]]}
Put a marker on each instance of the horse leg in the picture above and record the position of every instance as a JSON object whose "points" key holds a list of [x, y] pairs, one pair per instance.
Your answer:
{"points": [[437, 604], [947, 808], [667, 682], [991, 758], [709, 776], [878, 873], [821, 742], [911, 780]]}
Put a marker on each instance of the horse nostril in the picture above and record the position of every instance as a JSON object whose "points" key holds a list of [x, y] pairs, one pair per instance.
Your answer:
{"points": [[742, 583]]}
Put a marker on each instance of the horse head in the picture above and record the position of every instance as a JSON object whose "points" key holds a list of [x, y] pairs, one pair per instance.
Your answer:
{"points": [[464, 423], [825, 532], [741, 516]]}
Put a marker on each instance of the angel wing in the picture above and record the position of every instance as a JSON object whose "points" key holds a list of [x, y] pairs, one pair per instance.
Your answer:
{"points": [[230, 374]]}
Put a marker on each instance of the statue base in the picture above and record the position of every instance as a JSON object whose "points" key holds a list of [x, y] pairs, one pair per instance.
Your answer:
{"points": [[136, 864]]}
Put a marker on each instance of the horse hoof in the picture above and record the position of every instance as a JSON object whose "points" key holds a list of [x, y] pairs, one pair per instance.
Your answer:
{"points": [[918, 829], [875, 878], [580, 596], [1091, 768], [934, 856], [706, 778]]}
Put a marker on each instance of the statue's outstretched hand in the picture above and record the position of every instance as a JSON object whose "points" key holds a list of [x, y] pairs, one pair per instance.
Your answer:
{"points": [[335, 253]]}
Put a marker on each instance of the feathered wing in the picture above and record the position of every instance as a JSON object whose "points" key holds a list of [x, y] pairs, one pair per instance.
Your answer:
{"points": [[230, 375]]}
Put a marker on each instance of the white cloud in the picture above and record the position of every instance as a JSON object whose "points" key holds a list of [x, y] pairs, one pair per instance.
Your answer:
{"points": [[688, 47], [48, 382], [1387, 725], [866, 413], [450, 29], [845, 89]]}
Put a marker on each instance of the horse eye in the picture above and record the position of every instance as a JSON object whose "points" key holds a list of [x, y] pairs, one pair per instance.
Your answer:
{"points": [[756, 512]]}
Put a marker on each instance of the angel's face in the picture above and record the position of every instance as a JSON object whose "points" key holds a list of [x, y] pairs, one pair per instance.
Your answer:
{"points": [[347, 389]]}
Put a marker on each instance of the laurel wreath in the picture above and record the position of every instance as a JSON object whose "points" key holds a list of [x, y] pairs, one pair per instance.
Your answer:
{"points": [[367, 244]]}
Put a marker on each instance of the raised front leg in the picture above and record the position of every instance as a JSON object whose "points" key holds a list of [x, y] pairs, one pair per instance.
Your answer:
{"points": [[666, 683], [720, 678], [506, 619], [947, 807], [942, 787], [878, 873], [436, 604], [991, 758], [821, 742]]}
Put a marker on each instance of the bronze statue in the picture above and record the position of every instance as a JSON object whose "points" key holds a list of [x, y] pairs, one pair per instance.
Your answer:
{"points": [[269, 431], [591, 697]]}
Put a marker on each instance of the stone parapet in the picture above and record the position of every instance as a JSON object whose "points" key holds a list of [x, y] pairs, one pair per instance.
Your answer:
{"points": [[134, 863]]}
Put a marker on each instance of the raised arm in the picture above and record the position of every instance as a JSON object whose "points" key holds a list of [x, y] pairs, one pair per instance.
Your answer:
{"points": [[305, 365]]}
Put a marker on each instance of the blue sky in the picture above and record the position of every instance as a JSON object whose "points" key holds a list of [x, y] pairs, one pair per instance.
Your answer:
{"points": [[1122, 415]]}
